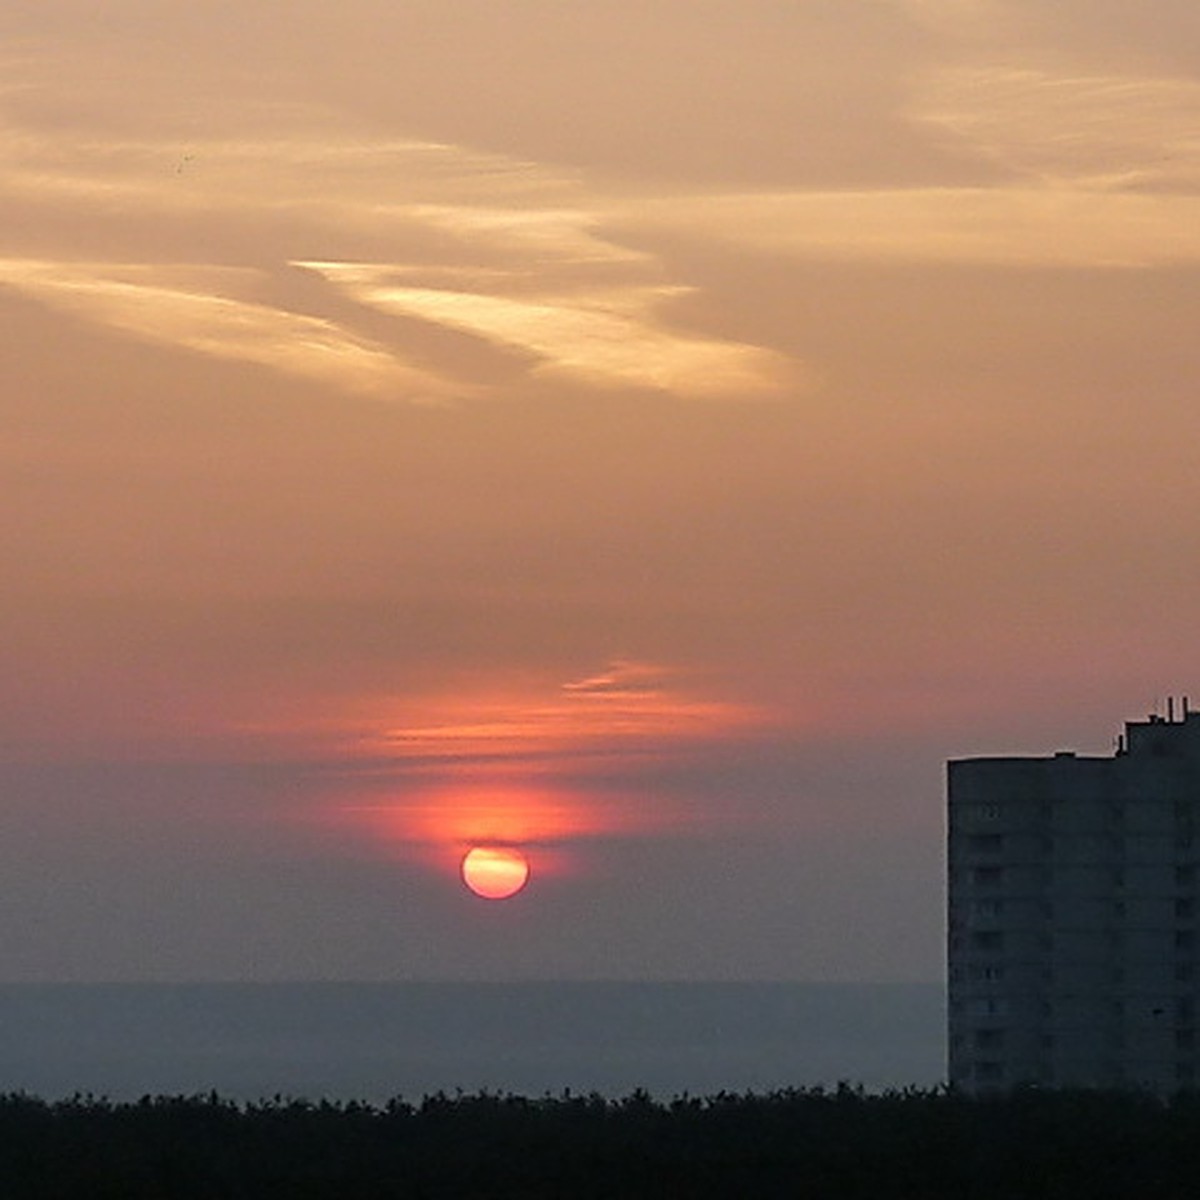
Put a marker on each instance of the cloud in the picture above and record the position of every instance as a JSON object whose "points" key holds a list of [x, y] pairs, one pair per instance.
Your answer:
{"points": [[1097, 132], [1010, 226], [529, 765], [608, 337], [512, 253], [534, 240], [628, 707], [622, 677], [194, 315], [1095, 170], [1098, 171]]}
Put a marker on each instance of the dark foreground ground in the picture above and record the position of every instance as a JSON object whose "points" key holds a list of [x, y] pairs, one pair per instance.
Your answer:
{"points": [[841, 1144]]}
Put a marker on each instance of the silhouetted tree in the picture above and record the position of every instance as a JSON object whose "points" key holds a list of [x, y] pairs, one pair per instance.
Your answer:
{"points": [[842, 1142]]}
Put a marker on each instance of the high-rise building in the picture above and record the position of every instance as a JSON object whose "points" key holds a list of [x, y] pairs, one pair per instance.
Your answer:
{"points": [[1072, 940]]}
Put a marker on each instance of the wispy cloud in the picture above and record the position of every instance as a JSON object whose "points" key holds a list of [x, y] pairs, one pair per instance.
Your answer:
{"points": [[1018, 225], [628, 708], [1097, 171], [607, 337], [511, 765], [142, 301], [512, 253], [1098, 132], [622, 677], [1087, 169]]}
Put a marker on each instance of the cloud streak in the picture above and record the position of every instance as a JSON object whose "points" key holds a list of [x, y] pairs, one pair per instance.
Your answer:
{"points": [[1071, 129], [521, 766], [629, 708], [1096, 171], [1088, 169], [141, 301], [609, 338], [1017, 226], [519, 245]]}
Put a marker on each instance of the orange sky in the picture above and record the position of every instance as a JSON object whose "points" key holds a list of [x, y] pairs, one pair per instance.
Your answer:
{"points": [[690, 421]]}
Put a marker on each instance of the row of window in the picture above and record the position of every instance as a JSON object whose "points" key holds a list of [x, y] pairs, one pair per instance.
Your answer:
{"points": [[993, 1040], [1180, 1012], [1041, 812], [1181, 972], [992, 1072], [1185, 875], [992, 941], [987, 845], [995, 972], [1184, 908]]}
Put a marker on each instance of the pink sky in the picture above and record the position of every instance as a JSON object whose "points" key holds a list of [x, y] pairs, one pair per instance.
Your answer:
{"points": [[658, 435]]}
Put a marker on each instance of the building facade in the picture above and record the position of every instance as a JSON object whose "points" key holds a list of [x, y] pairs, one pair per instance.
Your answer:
{"points": [[1072, 937]]}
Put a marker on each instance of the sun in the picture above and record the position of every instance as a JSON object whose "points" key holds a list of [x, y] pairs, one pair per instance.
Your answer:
{"points": [[495, 872]]}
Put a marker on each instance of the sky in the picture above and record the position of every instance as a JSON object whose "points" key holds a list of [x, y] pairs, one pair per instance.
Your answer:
{"points": [[651, 436]]}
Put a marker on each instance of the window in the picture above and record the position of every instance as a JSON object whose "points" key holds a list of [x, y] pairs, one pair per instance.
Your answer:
{"points": [[989, 1006], [985, 843], [1185, 939], [1185, 908], [989, 1039], [1185, 876], [987, 974], [989, 940], [988, 876], [989, 1072]]}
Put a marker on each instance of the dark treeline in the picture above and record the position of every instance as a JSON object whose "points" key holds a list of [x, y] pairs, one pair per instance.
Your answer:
{"points": [[843, 1144]]}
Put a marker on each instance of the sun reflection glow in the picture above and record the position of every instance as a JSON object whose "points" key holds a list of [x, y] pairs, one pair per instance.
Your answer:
{"points": [[547, 769]]}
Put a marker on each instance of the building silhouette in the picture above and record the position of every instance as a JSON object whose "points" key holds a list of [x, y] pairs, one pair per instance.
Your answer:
{"points": [[1072, 903]]}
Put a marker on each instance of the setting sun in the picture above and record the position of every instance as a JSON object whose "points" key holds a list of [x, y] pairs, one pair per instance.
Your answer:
{"points": [[495, 872]]}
